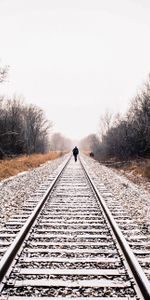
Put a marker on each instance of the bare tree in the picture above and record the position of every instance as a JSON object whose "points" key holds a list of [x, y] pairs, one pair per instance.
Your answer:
{"points": [[128, 136], [59, 142], [3, 73], [23, 128], [90, 143], [36, 129], [105, 123]]}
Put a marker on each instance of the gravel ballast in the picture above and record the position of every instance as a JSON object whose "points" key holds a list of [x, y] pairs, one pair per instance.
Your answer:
{"points": [[135, 199], [15, 190]]}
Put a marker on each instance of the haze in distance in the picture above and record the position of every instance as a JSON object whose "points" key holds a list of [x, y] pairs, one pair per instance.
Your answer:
{"points": [[75, 59]]}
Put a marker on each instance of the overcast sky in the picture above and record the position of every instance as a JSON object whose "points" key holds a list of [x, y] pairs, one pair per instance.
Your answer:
{"points": [[75, 58]]}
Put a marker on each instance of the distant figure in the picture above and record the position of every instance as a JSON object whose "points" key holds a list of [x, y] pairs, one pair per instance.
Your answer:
{"points": [[75, 152], [1, 154], [91, 154]]}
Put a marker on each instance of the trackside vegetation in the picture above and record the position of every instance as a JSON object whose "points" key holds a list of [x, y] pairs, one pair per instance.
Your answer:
{"points": [[13, 166], [123, 137]]}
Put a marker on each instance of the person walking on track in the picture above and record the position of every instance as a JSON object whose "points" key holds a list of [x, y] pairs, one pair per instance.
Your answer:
{"points": [[75, 152]]}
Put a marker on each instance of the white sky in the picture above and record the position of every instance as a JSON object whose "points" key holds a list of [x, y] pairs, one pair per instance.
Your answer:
{"points": [[75, 58]]}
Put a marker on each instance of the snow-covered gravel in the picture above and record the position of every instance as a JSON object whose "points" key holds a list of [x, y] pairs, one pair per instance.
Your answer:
{"points": [[15, 190], [134, 198]]}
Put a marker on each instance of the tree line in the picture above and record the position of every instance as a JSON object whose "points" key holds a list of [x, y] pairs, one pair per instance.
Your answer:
{"points": [[24, 128], [124, 136], [60, 142]]}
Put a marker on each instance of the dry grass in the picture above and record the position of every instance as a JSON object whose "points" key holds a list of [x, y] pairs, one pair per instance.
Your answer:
{"points": [[11, 167], [139, 167]]}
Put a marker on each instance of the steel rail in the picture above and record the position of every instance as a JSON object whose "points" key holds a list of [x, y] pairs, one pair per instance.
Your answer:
{"points": [[139, 275], [10, 254]]}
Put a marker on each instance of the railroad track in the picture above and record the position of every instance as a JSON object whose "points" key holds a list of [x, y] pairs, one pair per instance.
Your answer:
{"points": [[135, 232], [65, 243]]}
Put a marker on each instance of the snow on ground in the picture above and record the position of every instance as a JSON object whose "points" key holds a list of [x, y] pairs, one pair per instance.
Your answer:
{"points": [[15, 190], [134, 198]]}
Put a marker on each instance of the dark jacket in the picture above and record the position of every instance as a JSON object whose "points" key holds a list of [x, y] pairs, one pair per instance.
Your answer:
{"points": [[75, 151]]}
